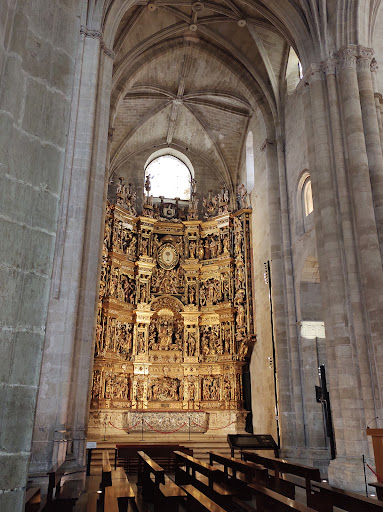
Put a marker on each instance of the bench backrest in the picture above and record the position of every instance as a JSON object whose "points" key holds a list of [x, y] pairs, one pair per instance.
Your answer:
{"points": [[231, 462], [201, 467], [346, 500], [284, 466], [279, 498], [152, 467]]}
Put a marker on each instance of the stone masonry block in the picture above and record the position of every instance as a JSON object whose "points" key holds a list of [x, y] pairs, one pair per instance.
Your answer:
{"points": [[39, 256], [27, 358], [37, 55], [44, 211], [5, 358], [51, 168], [62, 71], [19, 33], [13, 470], [35, 298], [14, 240], [18, 419], [15, 200], [41, 14], [11, 501], [10, 286], [56, 116], [34, 113], [62, 37], [12, 87]]}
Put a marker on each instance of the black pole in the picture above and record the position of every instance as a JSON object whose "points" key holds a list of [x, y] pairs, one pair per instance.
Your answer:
{"points": [[327, 409], [364, 471], [88, 461], [268, 280]]}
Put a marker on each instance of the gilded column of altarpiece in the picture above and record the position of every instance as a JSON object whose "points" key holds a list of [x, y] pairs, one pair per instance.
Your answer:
{"points": [[175, 318]]}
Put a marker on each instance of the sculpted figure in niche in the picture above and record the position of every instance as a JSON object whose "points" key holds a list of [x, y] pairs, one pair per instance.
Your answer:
{"points": [[192, 249], [226, 244], [192, 293], [113, 284], [132, 246], [191, 343], [242, 196], [140, 390], [192, 391], [108, 388], [99, 332], [226, 390], [144, 246], [140, 342], [96, 385], [240, 316], [207, 249], [213, 248]]}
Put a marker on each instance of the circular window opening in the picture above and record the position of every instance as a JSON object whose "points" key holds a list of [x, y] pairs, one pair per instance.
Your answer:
{"points": [[169, 177]]}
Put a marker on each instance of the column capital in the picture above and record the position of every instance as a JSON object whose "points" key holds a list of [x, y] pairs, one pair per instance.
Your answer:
{"points": [[347, 57], [329, 66], [96, 34]]}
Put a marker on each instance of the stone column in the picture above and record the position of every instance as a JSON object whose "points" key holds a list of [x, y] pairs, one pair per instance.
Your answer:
{"points": [[50, 431], [343, 367], [355, 300], [369, 256], [287, 418], [377, 97], [78, 410], [294, 348], [371, 134]]}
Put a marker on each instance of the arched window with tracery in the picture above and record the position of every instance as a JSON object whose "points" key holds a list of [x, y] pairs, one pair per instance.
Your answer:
{"points": [[250, 161], [169, 176]]}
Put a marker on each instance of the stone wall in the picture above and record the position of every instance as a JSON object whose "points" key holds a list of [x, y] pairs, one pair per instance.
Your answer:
{"points": [[37, 54]]}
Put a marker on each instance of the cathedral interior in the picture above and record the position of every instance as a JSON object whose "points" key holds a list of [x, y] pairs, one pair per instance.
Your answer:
{"points": [[191, 197]]}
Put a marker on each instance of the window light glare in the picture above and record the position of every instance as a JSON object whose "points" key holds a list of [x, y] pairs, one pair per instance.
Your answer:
{"points": [[169, 177]]}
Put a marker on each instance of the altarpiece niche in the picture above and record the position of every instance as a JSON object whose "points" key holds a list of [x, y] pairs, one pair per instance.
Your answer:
{"points": [[175, 315]]}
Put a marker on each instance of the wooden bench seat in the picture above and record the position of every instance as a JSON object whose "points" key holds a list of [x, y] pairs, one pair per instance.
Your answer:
{"points": [[240, 469], [199, 502], [267, 500], [325, 497]]}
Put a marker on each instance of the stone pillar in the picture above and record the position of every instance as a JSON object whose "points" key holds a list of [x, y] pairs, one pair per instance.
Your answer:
{"points": [[59, 358], [355, 300], [78, 410], [294, 348], [287, 418], [344, 380], [371, 134], [377, 97], [369, 256]]}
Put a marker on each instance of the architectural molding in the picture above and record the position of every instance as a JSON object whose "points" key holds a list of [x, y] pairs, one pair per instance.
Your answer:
{"points": [[96, 34]]}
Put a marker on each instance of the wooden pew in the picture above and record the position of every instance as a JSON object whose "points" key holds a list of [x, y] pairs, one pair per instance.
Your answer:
{"points": [[208, 479], [161, 453], [250, 470], [325, 497], [55, 475], [106, 474], [378, 488], [199, 502], [123, 490], [267, 500], [282, 466], [33, 501], [157, 487]]}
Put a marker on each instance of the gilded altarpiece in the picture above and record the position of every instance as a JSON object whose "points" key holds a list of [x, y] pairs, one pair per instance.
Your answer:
{"points": [[174, 323]]}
